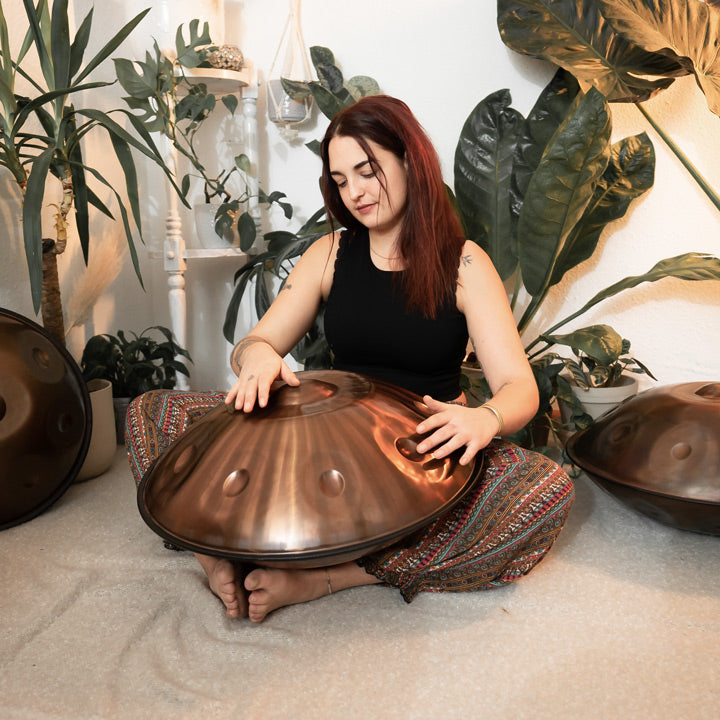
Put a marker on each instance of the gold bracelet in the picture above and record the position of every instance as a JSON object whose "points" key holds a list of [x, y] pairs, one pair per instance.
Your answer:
{"points": [[327, 575], [497, 414]]}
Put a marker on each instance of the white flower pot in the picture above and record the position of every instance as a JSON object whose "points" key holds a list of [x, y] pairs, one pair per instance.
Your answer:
{"points": [[103, 443], [598, 401]]}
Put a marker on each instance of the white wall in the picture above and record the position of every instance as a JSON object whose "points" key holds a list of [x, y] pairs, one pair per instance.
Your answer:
{"points": [[441, 58]]}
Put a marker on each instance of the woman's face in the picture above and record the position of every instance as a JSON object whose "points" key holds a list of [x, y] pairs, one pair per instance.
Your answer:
{"points": [[360, 186]]}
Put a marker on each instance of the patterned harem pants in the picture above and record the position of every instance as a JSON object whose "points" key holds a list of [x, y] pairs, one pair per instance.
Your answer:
{"points": [[497, 534]]}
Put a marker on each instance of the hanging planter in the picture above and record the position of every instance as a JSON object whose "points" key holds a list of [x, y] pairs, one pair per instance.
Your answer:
{"points": [[283, 110]]}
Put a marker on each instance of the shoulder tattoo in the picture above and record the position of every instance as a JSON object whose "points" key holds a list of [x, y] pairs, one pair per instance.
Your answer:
{"points": [[466, 259]]}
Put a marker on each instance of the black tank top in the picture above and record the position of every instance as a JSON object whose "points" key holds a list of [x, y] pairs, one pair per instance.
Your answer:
{"points": [[370, 330]]}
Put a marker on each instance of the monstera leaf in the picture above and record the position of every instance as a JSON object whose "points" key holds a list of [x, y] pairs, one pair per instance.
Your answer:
{"points": [[687, 32], [577, 36]]}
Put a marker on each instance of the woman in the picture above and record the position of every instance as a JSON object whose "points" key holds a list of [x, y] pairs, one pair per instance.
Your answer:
{"points": [[403, 290]]}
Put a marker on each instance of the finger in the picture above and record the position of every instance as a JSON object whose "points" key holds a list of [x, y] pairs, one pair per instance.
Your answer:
{"points": [[288, 375], [441, 435]]}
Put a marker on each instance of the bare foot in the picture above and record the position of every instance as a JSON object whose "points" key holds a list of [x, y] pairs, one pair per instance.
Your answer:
{"points": [[226, 583], [271, 589]]}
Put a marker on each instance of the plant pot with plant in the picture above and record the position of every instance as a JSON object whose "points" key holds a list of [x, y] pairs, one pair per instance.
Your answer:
{"points": [[174, 101], [134, 365], [599, 377], [43, 136]]}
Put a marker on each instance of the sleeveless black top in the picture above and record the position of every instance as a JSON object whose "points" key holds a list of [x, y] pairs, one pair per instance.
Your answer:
{"points": [[370, 330]]}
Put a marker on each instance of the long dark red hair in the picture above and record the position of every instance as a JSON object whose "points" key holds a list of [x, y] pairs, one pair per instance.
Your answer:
{"points": [[431, 235]]}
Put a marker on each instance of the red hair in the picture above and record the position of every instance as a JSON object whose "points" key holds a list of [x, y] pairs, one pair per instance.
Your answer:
{"points": [[431, 235]]}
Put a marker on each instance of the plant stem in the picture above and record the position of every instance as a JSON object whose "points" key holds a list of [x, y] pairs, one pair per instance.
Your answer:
{"points": [[699, 179]]}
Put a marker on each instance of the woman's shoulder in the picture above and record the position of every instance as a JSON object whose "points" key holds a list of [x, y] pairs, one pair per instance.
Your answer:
{"points": [[473, 259]]}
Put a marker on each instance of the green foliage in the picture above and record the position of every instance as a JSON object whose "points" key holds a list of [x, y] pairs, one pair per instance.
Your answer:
{"points": [[536, 194], [56, 149], [168, 100], [134, 364], [630, 50], [332, 93], [602, 356]]}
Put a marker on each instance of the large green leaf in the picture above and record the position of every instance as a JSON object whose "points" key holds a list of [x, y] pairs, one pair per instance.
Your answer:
{"points": [[560, 189], [599, 342], [60, 43], [189, 54], [483, 167], [328, 103], [112, 45], [549, 111], [689, 266], [630, 173], [688, 32], [32, 222], [575, 35]]}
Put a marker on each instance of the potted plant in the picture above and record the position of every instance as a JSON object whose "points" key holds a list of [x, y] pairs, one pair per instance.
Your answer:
{"points": [[177, 105], [133, 365], [537, 192], [42, 137], [600, 376]]}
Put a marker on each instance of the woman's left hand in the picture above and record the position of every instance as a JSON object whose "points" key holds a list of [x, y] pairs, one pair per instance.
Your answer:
{"points": [[456, 426]]}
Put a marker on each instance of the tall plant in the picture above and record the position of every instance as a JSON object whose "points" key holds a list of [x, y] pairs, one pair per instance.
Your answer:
{"points": [[536, 194], [42, 136]]}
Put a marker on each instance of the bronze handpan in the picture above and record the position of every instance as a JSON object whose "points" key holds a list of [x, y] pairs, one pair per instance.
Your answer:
{"points": [[659, 453], [326, 473], [45, 419]]}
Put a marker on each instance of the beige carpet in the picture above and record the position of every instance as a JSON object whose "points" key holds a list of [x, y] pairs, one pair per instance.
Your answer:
{"points": [[98, 620]]}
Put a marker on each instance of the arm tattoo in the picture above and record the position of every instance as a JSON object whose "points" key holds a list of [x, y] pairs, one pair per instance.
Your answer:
{"points": [[466, 259], [238, 350], [287, 287]]}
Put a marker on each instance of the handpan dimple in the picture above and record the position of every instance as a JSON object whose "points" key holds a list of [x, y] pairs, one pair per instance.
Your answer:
{"points": [[328, 471]]}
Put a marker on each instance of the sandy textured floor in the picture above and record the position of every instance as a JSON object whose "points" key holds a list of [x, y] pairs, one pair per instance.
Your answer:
{"points": [[98, 620]]}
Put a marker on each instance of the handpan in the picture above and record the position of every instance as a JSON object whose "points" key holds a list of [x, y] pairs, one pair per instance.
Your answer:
{"points": [[659, 453], [327, 472], [45, 419]]}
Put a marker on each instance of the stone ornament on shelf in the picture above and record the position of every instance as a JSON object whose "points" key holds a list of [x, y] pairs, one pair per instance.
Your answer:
{"points": [[227, 57]]}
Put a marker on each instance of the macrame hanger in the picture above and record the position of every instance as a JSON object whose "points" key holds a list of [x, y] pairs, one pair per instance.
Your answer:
{"points": [[282, 109]]}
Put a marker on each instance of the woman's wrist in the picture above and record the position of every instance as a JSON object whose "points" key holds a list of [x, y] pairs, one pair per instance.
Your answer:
{"points": [[498, 415], [240, 348]]}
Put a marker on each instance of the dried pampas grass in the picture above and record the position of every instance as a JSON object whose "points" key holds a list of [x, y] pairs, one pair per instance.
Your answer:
{"points": [[104, 264]]}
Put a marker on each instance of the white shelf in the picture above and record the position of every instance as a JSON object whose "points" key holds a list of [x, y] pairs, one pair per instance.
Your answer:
{"points": [[219, 80], [195, 253]]}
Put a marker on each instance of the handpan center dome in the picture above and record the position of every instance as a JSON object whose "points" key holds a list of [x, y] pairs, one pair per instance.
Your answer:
{"points": [[327, 472]]}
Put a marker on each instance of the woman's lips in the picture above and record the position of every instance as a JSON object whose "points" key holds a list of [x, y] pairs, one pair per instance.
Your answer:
{"points": [[364, 209]]}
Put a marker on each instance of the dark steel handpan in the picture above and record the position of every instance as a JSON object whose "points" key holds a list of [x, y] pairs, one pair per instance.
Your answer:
{"points": [[659, 453], [326, 473], [45, 419]]}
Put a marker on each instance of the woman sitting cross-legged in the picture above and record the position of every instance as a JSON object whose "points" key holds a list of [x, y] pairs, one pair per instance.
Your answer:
{"points": [[403, 292]]}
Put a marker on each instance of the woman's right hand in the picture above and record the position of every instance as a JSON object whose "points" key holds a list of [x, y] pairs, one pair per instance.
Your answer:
{"points": [[261, 366]]}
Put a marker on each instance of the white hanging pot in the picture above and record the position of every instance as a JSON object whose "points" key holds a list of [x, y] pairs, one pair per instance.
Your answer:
{"points": [[598, 401], [103, 443], [283, 110]]}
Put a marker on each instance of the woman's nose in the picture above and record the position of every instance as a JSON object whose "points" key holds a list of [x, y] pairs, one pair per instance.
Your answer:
{"points": [[355, 189]]}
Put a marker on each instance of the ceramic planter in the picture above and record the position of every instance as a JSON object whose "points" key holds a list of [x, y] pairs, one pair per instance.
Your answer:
{"points": [[598, 401], [101, 451]]}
